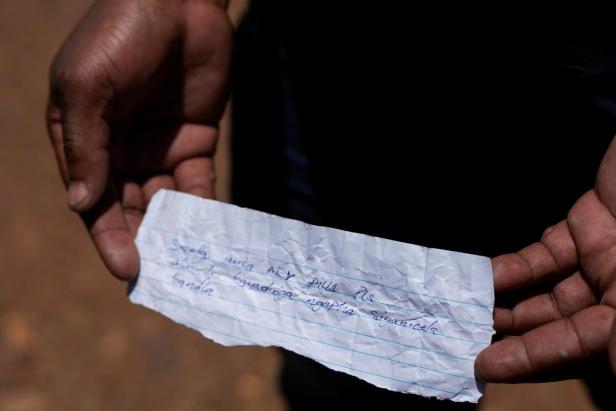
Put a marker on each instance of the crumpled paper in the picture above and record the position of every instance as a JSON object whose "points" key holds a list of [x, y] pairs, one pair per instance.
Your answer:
{"points": [[400, 316]]}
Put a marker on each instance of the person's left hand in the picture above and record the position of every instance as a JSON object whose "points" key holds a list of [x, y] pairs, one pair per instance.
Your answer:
{"points": [[557, 298]]}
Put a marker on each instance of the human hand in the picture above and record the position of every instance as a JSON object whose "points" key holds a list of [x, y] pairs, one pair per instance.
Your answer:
{"points": [[136, 94], [559, 330]]}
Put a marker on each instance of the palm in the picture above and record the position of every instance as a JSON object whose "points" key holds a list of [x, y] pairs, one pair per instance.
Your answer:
{"points": [[139, 113]]}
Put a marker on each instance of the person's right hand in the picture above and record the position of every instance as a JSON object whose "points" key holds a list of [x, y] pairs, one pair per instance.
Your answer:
{"points": [[136, 94]]}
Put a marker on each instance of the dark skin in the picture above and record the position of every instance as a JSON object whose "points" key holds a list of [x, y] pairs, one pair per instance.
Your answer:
{"points": [[563, 330], [137, 92]]}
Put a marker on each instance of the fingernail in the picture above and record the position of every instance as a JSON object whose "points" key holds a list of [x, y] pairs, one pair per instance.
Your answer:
{"points": [[77, 193]]}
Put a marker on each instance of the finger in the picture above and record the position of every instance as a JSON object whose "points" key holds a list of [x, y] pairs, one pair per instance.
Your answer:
{"points": [[553, 257], [593, 228], [157, 183], [549, 348], [133, 205], [191, 141], [112, 236], [196, 176], [566, 298]]}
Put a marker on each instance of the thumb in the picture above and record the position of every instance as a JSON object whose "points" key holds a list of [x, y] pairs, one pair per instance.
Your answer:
{"points": [[85, 138]]}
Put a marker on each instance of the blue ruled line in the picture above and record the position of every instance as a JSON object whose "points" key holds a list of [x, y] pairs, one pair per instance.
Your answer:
{"points": [[300, 301], [200, 328], [159, 298], [324, 324]]}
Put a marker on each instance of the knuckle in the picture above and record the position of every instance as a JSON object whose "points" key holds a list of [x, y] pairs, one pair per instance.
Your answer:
{"points": [[511, 263], [548, 234], [580, 210], [65, 81], [573, 216]]}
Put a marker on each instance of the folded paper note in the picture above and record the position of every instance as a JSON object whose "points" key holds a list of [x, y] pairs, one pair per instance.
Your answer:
{"points": [[400, 316]]}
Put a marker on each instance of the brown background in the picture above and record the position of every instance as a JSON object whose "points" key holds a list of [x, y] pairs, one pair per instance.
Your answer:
{"points": [[69, 338]]}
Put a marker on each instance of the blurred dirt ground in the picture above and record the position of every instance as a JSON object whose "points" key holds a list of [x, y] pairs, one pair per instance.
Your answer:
{"points": [[69, 338]]}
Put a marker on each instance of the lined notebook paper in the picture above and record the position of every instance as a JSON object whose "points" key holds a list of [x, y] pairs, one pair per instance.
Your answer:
{"points": [[400, 316]]}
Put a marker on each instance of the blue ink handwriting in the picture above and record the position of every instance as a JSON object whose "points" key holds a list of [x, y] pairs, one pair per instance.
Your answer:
{"points": [[316, 305], [329, 286], [280, 272], [188, 250], [363, 295], [201, 287], [415, 325], [277, 293]]}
